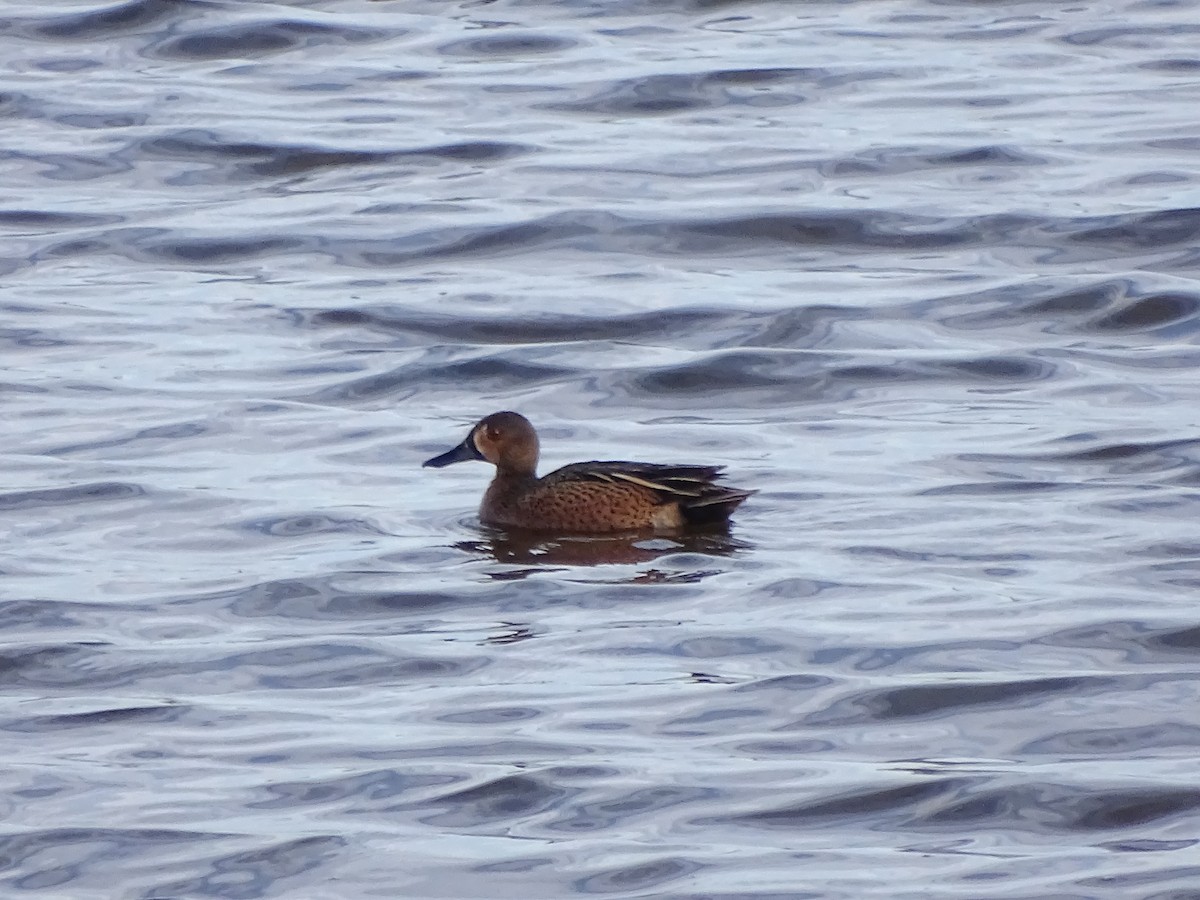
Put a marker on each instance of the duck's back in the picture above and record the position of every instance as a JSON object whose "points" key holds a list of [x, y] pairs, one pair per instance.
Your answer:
{"points": [[614, 495]]}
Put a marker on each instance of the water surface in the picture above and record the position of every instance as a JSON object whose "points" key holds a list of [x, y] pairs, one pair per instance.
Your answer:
{"points": [[924, 275]]}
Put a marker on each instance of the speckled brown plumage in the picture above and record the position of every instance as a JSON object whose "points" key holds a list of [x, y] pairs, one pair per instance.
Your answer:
{"points": [[601, 496]]}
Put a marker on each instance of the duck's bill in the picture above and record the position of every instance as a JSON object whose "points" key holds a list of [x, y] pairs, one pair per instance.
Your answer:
{"points": [[463, 452]]}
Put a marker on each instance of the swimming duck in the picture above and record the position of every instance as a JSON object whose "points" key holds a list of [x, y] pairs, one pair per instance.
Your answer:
{"points": [[588, 497]]}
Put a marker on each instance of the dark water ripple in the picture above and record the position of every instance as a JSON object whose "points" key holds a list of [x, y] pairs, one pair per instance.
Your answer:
{"points": [[34, 220], [932, 700], [925, 278], [83, 493], [255, 872], [1052, 242], [506, 44], [258, 39], [226, 160], [321, 599], [283, 666], [746, 376], [131, 716], [105, 21], [1105, 307], [674, 93]]}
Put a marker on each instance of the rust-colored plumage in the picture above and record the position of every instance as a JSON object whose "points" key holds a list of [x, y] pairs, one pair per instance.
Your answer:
{"points": [[589, 497]]}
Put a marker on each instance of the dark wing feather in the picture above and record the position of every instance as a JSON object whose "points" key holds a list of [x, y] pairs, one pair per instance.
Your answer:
{"points": [[682, 482], [700, 500]]}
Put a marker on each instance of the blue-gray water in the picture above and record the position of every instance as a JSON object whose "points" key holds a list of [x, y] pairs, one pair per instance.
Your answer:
{"points": [[924, 274]]}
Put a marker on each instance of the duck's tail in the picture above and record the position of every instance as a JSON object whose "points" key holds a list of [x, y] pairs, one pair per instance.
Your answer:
{"points": [[716, 503]]}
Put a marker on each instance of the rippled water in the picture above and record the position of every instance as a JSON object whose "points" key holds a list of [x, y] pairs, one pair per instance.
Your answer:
{"points": [[923, 274]]}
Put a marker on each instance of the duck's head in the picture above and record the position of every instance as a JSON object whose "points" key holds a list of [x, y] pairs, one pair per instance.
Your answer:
{"points": [[505, 439]]}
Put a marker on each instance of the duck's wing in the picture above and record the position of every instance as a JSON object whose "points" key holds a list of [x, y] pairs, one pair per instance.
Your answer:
{"points": [[692, 490], [686, 483]]}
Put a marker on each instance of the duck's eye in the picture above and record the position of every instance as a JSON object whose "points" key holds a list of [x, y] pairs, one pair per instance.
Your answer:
{"points": [[493, 433]]}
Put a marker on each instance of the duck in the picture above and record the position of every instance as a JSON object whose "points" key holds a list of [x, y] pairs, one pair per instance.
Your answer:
{"points": [[596, 497]]}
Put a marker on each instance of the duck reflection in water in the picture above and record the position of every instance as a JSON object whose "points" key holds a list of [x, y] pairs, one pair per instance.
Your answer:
{"points": [[520, 547], [597, 497]]}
